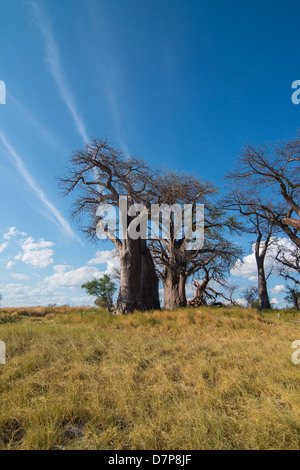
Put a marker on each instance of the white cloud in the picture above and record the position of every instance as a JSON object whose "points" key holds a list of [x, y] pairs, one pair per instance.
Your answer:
{"points": [[10, 264], [247, 268], [277, 289], [240, 301], [3, 246], [102, 257], [13, 290], [83, 301], [72, 278], [54, 64], [18, 162], [37, 254], [12, 232], [110, 258], [19, 276], [274, 301], [190, 290]]}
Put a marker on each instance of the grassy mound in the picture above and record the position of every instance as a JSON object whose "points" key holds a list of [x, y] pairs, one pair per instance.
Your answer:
{"points": [[193, 379]]}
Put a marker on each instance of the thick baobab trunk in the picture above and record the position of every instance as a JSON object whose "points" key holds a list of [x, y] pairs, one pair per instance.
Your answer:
{"points": [[138, 279], [171, 290], [130, 293], [174, 290]]}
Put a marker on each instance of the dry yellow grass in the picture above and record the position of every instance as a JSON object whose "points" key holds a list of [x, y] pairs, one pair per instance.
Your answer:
{"points": [[194, 379]]}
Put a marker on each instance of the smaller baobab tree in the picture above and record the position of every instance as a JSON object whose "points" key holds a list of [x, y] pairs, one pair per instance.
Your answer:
{"points": [[172, 251], [176, 258]]}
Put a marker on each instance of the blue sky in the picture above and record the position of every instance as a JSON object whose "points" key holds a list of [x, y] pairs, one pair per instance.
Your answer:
{"points": [[177, 83]]}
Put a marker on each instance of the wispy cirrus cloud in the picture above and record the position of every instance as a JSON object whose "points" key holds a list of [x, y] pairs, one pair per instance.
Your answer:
{"points": [[19, 164], [55, 67], [34, 122], [117, 119], [110, 71]]}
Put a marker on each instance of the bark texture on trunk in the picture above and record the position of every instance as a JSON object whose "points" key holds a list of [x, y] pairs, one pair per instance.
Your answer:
{"points": [[260, 254], [174, 290], [199, 297], [264, 301], [138, 279], [182, 291], [150, 288]]}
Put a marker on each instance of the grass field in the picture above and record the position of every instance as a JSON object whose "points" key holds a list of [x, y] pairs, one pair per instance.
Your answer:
{"points": [[195, 379]]}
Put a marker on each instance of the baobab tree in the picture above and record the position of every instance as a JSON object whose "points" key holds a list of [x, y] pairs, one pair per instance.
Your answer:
{"points": [[97, 176], [175, 258], [172, 253], [266, 184]]}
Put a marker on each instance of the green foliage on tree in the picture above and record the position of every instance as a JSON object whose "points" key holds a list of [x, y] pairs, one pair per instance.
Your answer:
{"points": [[103, 289], [251, 296]]}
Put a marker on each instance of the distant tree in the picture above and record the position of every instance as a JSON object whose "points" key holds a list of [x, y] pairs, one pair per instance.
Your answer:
{"points": [[293, 297], [213, 267], [289, 259], [261, 228], [266, 184], [251, 296], [288, 267], [240, 201], [103, 289]]}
